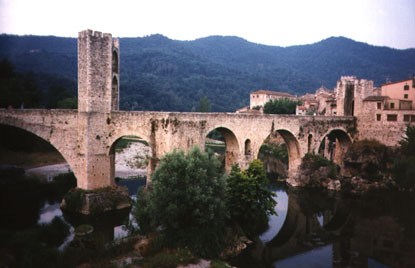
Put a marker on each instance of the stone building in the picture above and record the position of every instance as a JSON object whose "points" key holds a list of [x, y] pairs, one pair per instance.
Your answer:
{"points": [[381, 114], [401, 94], [260, 97]]}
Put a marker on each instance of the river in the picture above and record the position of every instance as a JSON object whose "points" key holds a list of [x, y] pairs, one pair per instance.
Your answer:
{"points": [[313, 228]]}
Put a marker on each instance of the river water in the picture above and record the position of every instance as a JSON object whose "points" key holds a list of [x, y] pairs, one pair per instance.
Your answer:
{"points": [[313, 229]]}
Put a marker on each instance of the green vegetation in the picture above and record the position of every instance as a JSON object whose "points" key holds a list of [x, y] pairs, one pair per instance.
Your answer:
{"points": [[204, 105], [168, 258], [277, 151], [248, 200], [35, 247], [315, 161], [281, 106], [23, 90], [186, 198], [189, 204], [404, 168], [369, 158], [163, 74]]}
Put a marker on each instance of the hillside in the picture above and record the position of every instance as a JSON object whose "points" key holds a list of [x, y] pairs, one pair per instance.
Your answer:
{"points": [[158, 73]]}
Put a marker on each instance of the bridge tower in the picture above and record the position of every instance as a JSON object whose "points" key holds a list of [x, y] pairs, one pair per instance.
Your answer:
{"points": [[98, 95], [98, 72]]}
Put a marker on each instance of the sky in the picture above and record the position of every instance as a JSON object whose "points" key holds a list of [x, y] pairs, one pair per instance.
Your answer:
{"points": [[271, 22]]}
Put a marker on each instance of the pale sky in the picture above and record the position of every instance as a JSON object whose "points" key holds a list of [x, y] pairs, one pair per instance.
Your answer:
{"points": [[270, 22]]}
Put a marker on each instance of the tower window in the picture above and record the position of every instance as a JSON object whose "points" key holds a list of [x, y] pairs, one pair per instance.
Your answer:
{"points": [[405, 96], [406, 87]]}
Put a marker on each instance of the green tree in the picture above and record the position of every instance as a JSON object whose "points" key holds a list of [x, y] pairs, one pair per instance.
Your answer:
{"points": [[404, 168], [68, 103], [17, 89], [204, 105], [185, 200], [248, 199], [281, 106]]}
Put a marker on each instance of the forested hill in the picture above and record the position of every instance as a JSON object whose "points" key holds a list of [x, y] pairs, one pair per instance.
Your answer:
{"points": [[158, 73]]}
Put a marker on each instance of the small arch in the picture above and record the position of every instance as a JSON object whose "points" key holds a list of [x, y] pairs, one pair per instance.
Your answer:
{"points": [[309, 143], [115, 62], [129, 164], [231, 154], [248, 149], [114, 94]]}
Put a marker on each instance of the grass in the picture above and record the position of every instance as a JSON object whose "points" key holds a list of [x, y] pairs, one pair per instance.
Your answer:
{"points": [[168, 258]]}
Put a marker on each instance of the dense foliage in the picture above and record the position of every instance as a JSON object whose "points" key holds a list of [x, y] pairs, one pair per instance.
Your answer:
{"points": [[315, 161], [158, 73], [19, 90], [404, 168], [248, 200], [186, 199], [273, 150], [281, 106]]}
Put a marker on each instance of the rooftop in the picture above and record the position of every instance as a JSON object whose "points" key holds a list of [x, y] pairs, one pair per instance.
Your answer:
{"points": [[376, 98], [406, 80], [275, 93]]}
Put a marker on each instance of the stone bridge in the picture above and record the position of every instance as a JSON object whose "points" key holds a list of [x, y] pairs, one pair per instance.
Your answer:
{"points": [[87, 140], [86, 137]]}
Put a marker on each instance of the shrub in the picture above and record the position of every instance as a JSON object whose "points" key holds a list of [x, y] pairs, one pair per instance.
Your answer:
{"points": [[186, 200], [315, 161], [248, 200]]}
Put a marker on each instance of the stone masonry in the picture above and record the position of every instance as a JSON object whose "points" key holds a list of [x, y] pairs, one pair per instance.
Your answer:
{"points": [[86, 137]]}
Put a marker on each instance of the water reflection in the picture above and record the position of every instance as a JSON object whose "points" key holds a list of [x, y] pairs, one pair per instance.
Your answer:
{"points": [[275, 222], [322, 229]]}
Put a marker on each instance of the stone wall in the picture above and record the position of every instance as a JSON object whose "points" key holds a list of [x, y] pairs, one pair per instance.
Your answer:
{"points": [[374, 123]]}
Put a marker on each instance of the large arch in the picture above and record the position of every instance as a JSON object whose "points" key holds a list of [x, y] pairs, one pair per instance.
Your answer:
{"points": [[56, 147], [335, 144], [232, 153]]}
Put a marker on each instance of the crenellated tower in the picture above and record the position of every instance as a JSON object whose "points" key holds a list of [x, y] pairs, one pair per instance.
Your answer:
{"points": [[98, 96], [98, 72]]}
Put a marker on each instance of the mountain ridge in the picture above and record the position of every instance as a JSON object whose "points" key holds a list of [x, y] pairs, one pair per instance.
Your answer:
{"points": [[158, 73]]}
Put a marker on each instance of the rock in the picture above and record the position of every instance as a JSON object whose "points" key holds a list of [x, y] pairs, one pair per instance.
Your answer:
{"points": [[334, 185]]}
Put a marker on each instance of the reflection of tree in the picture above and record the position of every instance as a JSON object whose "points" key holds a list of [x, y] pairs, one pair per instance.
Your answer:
{"points": [[314, 201]]}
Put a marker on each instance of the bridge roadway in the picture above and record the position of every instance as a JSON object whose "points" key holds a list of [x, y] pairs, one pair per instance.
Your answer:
{"points": [[86, 139]]}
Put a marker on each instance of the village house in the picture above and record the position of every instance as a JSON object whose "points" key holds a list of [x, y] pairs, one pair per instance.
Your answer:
{"points": [[258, 99]]}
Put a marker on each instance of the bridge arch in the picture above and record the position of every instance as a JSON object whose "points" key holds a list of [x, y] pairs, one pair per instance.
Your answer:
{"points": [[232, 152], [134, 159], [41, 136], [334, 144], [293, 148]]}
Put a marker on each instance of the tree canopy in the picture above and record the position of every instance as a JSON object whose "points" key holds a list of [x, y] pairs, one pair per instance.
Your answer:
{"points": [[281, 106], [186, 198]]}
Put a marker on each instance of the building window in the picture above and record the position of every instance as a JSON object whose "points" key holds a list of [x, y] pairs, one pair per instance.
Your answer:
{"points": [[405, 96], [413, 118], [392, 117], [406, 87], [378, 116], [406, 117], [392, 105], [379, 105]]}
